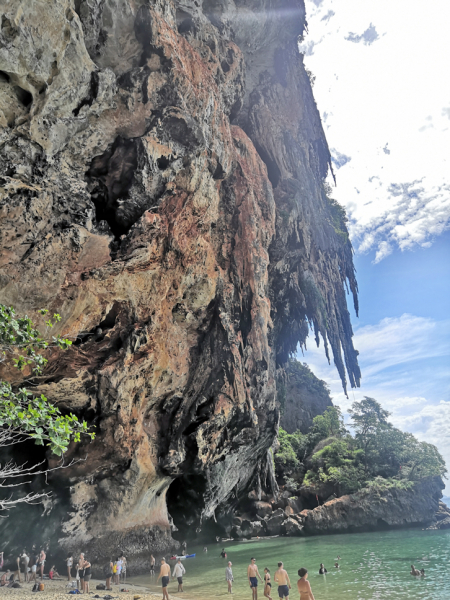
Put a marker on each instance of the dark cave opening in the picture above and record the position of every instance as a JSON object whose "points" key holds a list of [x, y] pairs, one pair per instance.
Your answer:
{"points": [[185, 502], [110, 178]]}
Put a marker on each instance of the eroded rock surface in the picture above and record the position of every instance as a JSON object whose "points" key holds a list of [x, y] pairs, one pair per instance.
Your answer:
{"points": [[161, 188]]}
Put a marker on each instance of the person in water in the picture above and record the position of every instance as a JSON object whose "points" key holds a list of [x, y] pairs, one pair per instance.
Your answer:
{"points": [[152, 564], [164, 575], [229, 576], [414, 571], [303, 585], [267, 584], [252, 574], [322, 570], [282, 578], [422, 573], [223, 553], [336, 565]]}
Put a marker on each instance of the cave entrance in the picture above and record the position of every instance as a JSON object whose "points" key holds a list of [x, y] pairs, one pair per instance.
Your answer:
{"points": [[185, 502]]}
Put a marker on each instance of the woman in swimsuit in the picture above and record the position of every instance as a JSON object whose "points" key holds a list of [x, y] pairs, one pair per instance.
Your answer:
{"points": [[267, 584], [304, 586]]}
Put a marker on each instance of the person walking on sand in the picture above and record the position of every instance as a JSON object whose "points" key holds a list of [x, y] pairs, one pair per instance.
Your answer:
{"points": [[303, 585], [178, 572], [252, 574], [282, 578], [267, 584], [69, 563], [229, 576], [42, 559], [164, 575], [152, 564]]}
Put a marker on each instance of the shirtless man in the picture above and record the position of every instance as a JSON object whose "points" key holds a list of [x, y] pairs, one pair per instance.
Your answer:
{"points": [[282, 578], [414, 571], [304, 586], [252, 574], [152, 564], [164, 575]]}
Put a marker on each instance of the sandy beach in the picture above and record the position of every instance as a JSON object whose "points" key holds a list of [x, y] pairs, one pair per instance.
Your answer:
{"points": [[56, 590]]}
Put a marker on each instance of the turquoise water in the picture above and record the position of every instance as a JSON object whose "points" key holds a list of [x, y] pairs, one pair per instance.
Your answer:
{"points": [[374, 566]]}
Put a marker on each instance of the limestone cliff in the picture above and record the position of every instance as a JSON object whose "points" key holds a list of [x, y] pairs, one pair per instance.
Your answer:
{"points": [[161, 188], [302, 396]]}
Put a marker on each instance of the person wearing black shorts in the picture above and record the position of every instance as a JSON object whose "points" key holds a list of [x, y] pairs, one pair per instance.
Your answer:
{"points": [[164, 575]]}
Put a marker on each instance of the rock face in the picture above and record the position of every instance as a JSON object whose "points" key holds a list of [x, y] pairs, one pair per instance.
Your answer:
{"points": [[367, 510], [370, 510], [161, 188], [302, 397]]}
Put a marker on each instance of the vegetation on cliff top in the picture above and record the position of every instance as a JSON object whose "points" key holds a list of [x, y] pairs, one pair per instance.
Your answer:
{"points": [[329, 460]]}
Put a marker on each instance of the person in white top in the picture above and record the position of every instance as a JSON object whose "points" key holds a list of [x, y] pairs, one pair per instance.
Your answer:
{"points": [[69, 563], [178, 572]]}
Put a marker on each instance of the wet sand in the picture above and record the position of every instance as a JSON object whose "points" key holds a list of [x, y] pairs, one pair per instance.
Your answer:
{"points": [[57, 590]]}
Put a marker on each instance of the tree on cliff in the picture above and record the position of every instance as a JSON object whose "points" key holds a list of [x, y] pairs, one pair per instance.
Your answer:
{"points": [[24, 415]]}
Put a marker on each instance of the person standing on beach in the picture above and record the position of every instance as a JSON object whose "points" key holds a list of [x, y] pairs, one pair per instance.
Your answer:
{"points": [[69, 563], [229, 577], [86, 576], [80, 572], [124, 567], [18, 568], [178, 572], [164, 575], [252, 574], [152, 564], [282, 578], [108, 572], [42, 559], [118, 570], [267, 584], [303, 585]]}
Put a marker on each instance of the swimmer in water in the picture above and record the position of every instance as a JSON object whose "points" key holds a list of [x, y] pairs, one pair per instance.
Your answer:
{"points": [[322, 569], [336, 565], [303, 585], [414, 571]]}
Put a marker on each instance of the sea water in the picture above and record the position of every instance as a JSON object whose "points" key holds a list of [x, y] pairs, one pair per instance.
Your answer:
{"points": [[373, 566]]}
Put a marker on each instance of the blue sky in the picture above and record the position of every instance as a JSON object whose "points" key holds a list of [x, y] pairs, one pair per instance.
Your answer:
{"points": [[384, 99]]}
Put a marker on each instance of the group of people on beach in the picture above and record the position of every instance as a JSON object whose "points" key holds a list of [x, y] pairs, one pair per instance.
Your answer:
{"points": [[280, 577]]}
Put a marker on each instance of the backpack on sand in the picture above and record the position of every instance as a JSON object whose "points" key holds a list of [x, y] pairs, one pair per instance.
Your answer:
{"points": [[100, 586]]}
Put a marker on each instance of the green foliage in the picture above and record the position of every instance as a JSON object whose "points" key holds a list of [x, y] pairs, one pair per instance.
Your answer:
{"points": [[378, 457], [36, 418], [20, 337], [291, 452], [331, 423], [21, 413], [340, 464]]}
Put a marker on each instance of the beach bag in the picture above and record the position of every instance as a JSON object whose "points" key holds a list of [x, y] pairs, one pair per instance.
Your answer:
{"points": [[100, 586], [41, 587], [35, 587], [16, 585]]}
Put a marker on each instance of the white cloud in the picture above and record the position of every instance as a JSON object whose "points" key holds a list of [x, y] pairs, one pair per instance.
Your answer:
{"points": [[369, 36], [392, 90]]}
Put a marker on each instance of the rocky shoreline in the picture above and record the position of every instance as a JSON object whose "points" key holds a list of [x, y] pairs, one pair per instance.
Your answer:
{"points": [[367, 510]]}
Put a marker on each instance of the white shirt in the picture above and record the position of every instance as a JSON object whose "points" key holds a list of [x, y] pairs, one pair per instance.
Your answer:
{"points": [[178, 570]]}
